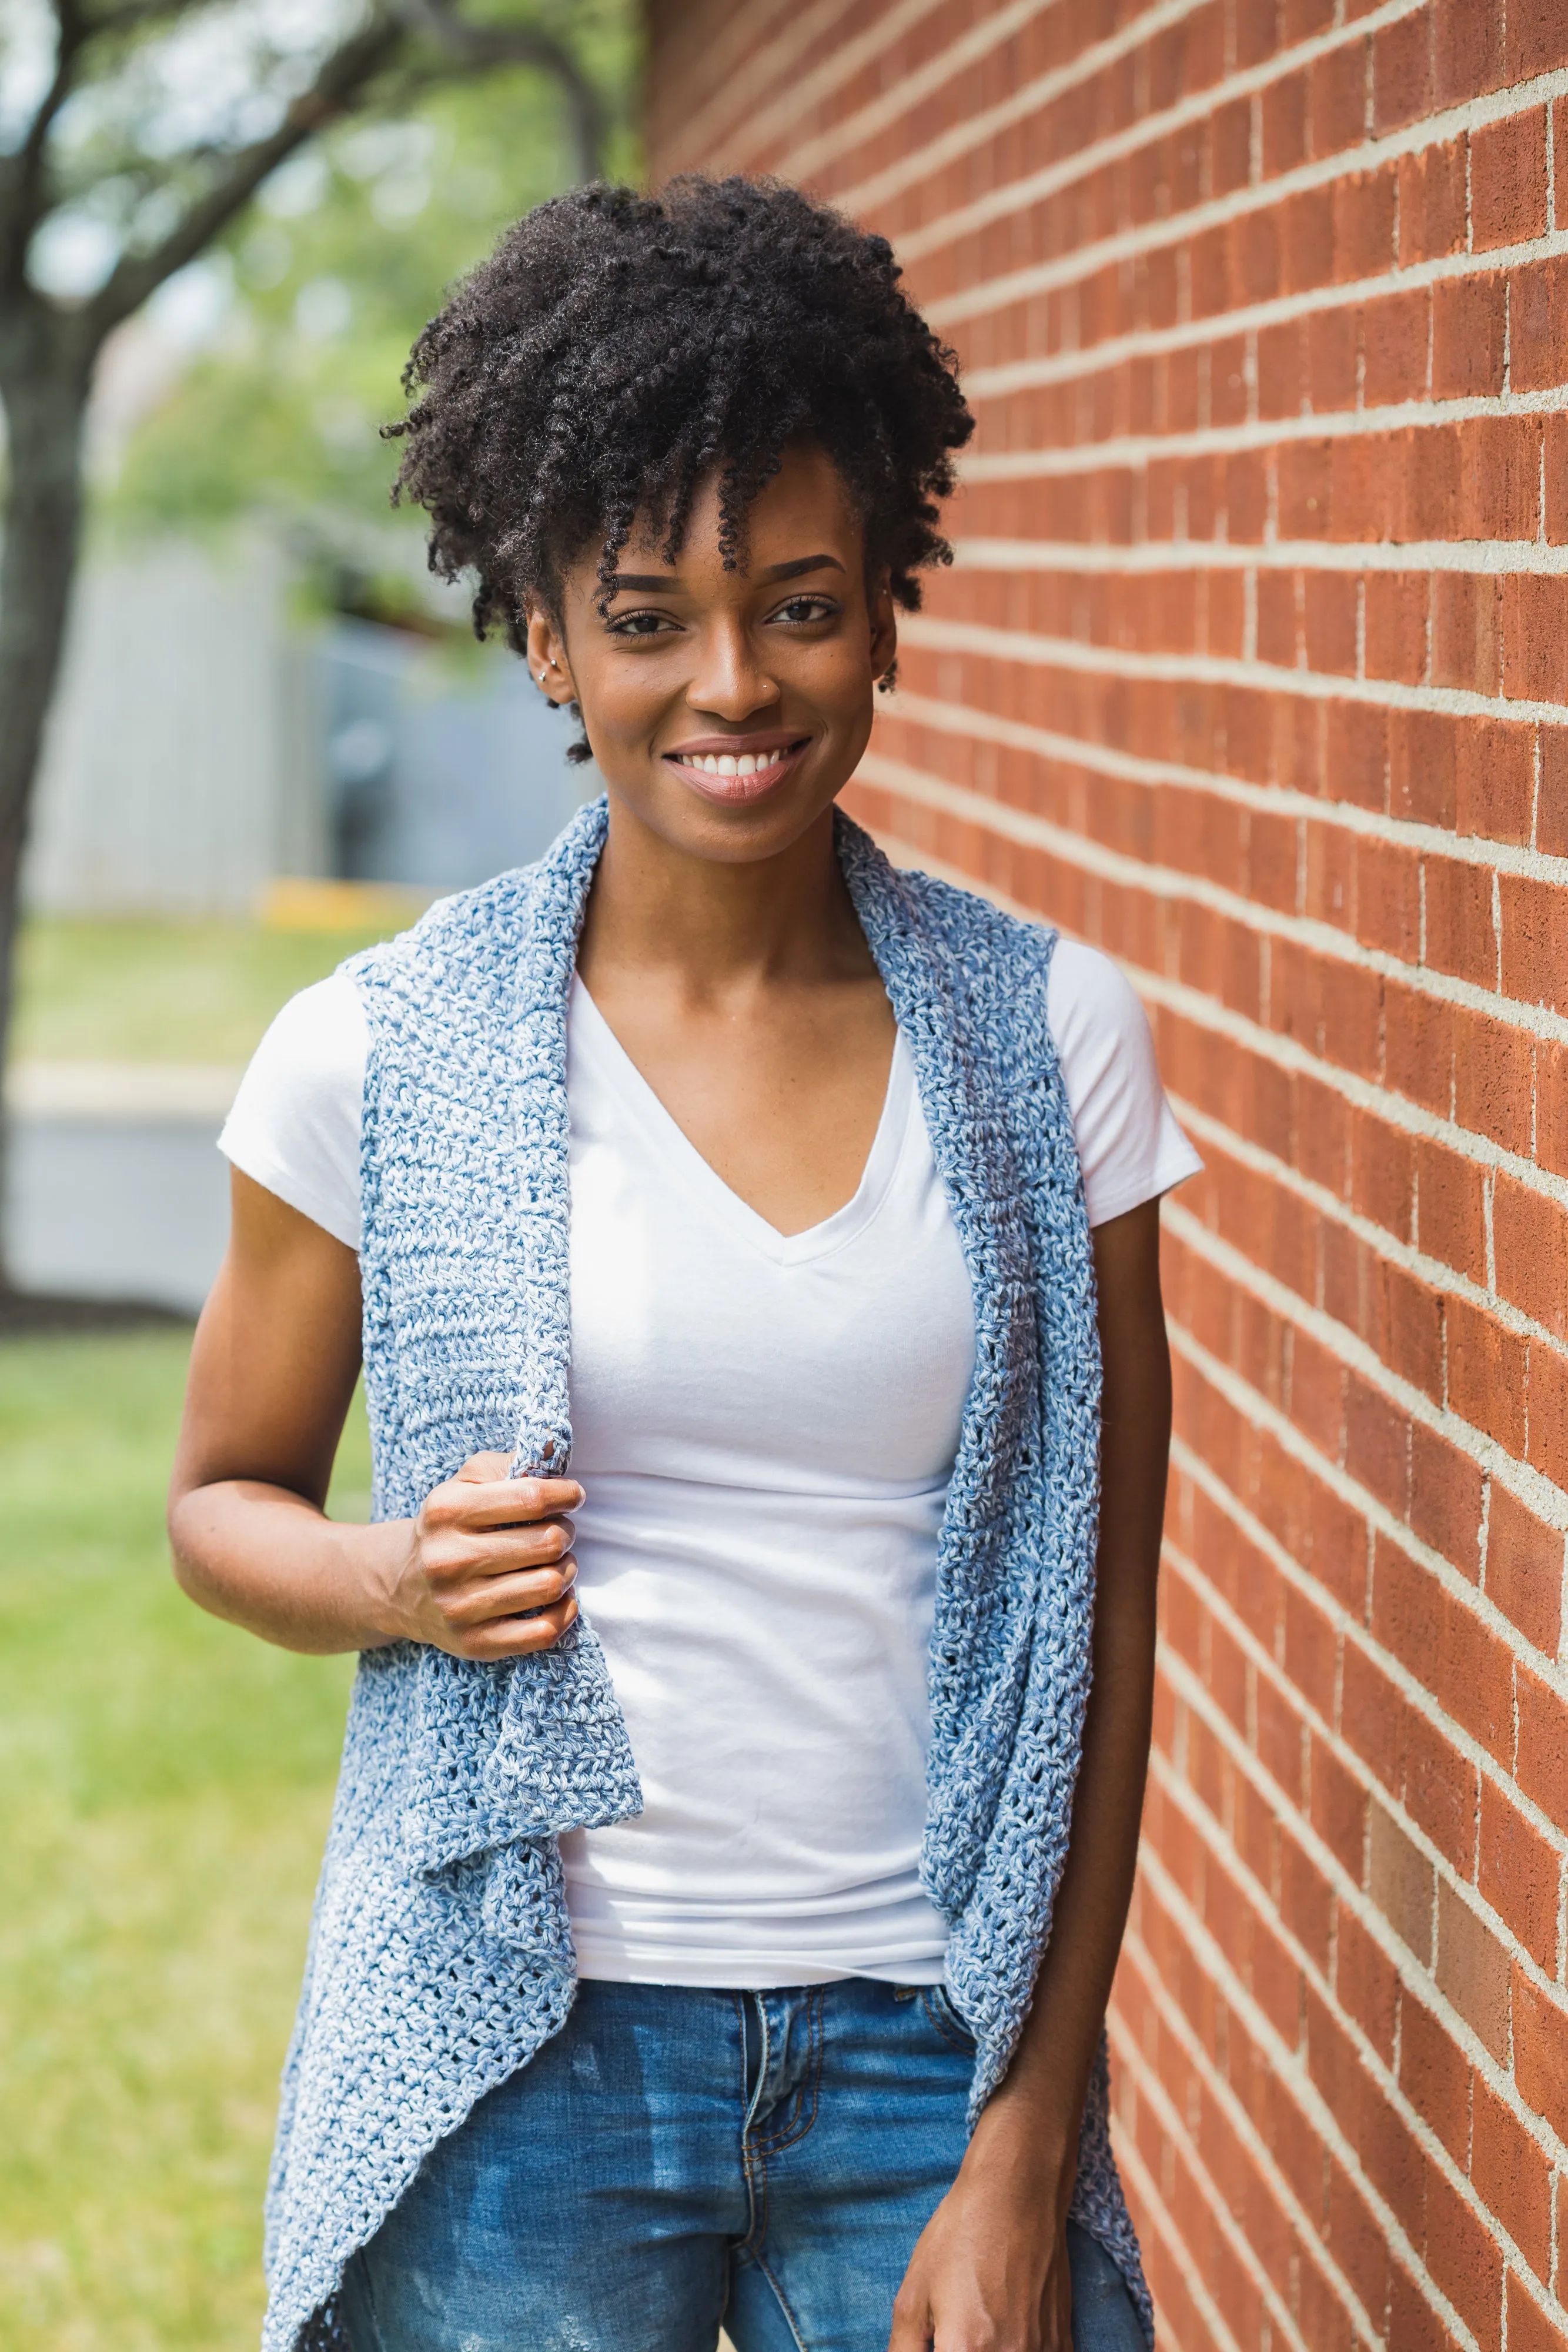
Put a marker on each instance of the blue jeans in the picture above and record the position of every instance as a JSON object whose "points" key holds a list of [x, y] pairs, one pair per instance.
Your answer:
{"points": [[674, 2160]]}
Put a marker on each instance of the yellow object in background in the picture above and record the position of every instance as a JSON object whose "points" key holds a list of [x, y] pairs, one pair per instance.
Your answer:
{"points": [[301, 902]]}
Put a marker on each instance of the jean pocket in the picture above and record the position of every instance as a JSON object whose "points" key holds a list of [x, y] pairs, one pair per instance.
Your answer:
{"points": [[940, 2008]]}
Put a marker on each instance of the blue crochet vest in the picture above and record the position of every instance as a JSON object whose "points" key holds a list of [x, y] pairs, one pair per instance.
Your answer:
{"points": [[441, 1954]]}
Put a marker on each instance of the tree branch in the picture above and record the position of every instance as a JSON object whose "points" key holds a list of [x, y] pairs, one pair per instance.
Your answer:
{"points": [[22, 174], [483, 47], [339, 82]]}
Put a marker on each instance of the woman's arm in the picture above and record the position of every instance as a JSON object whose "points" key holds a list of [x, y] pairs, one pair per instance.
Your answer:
{"points": [[989, 2272], [272, 1372]]}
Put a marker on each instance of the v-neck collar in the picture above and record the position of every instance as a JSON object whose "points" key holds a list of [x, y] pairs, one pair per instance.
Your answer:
{"points": [[591, 1035]]}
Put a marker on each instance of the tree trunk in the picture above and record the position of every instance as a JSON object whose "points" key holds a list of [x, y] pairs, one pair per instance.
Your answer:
{"points": [[46, 372]]}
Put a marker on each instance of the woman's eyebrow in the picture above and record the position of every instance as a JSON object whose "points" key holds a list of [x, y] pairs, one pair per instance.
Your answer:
{"points": [[654, 583], [802, 563]]}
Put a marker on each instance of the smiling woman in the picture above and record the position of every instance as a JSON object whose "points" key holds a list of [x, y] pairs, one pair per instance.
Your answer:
{"points": [[761, 1245]]}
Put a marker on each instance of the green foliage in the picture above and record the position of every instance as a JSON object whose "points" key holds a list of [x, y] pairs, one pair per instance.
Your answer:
{"points": [[346, 253], [168, 1781]]}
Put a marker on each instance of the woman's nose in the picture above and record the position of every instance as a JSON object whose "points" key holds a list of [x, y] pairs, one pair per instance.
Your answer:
{"points": [[729, 681]]}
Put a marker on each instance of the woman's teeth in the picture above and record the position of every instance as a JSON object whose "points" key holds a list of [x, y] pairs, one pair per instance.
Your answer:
{"points": [[725, 764]]}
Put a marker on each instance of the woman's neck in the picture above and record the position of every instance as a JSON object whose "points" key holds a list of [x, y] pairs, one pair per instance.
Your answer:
{"points": [[705, 930]]}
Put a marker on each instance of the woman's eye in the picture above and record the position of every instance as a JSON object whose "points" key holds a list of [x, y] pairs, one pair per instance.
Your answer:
{"points": [[802, 609], [639, 625]]}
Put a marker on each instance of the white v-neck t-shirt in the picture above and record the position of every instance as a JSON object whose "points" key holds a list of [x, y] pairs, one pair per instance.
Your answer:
{"points": [[763, 1428]]}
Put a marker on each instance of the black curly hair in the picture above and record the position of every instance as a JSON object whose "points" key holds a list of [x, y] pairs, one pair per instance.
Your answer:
{"points": [[616, 348]]}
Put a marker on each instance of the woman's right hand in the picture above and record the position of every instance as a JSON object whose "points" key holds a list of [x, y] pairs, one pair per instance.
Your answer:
{"points": [[484, 1549]]}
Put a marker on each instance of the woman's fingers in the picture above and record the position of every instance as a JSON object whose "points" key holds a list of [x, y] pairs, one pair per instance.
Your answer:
{"points": [[457, 1555], [498, 1502], [496, 1597], [514, 1637], [493, 1561]]}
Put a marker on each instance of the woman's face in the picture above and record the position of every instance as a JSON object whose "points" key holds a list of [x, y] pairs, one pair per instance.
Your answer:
{"points": [[728, 709]]}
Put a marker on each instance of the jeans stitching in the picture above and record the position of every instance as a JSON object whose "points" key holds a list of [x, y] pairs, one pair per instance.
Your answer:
{"points": [[783, 2301], [939, 2009], [753, 2149], [794, 2128]]}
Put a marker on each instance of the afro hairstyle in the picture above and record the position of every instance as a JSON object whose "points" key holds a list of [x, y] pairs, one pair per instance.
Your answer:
{"points": [[617, 349]]}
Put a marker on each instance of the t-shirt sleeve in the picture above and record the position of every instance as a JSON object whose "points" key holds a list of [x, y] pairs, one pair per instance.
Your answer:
{"points": [[1129, 1145], [295, 1124]]}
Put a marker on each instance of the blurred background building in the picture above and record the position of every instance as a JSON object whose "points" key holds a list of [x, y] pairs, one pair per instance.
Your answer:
{"points": [[210, 738]]}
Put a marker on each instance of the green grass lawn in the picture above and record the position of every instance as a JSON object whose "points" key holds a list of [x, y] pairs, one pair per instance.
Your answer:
{"points": [[100, 991], [167, 1781]]}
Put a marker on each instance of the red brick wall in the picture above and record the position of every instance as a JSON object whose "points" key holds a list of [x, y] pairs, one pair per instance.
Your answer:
{"points": [[1254, 670]]}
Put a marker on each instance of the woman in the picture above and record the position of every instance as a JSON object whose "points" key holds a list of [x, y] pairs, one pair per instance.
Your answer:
{"points": [[712, 1208]]}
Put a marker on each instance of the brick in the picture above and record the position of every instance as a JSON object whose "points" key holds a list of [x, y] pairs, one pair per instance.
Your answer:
{"points": [[1423, 779], [1456, 899], [1434, 2075], [1329, 622], [1530, 2328], [1500, 479], [1332, 359], [1402, 72], [1441, 1792], [1508, 179], [1537, 37], [1546, 1412], [1363, 210], [1467, 631], [1284, 123], [1541, 1757], [1440, 1639], [1445, 1499], [1394, 340], [1537, 315], [1401, 1882], [1466, 50], [1555, 457], [1358, 754], [1494, 1075], [1518, 1876], [1366, 1984], [1470, 335], [1337, 99], [1419, 1048], [1494, 779], [1486, 1375], [1550, 827], [1530, 1234], [1413, 2324], [1451, 1194], [1551, 1138], [1464, 2259], [1432, 209], [1535, 941], [1395, 608], [1540, 2050], [1523, 1572], [1474, 1969], [1512, 2176]]}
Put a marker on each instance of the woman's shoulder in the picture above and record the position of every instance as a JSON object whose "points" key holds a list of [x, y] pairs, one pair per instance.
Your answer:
{"points": [[1090, 999], [294, 1127]]}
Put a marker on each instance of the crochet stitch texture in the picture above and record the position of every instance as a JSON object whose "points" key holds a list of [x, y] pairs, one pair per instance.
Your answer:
{"points": [[440, 1956]]}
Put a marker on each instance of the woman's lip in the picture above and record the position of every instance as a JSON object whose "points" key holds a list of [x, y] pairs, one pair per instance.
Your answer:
{"points": [[734, 790], [773, 739]]}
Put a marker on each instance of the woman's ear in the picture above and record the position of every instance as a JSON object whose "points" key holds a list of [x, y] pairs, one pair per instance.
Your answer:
{"points": [[884, 630], [546, 657]]}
